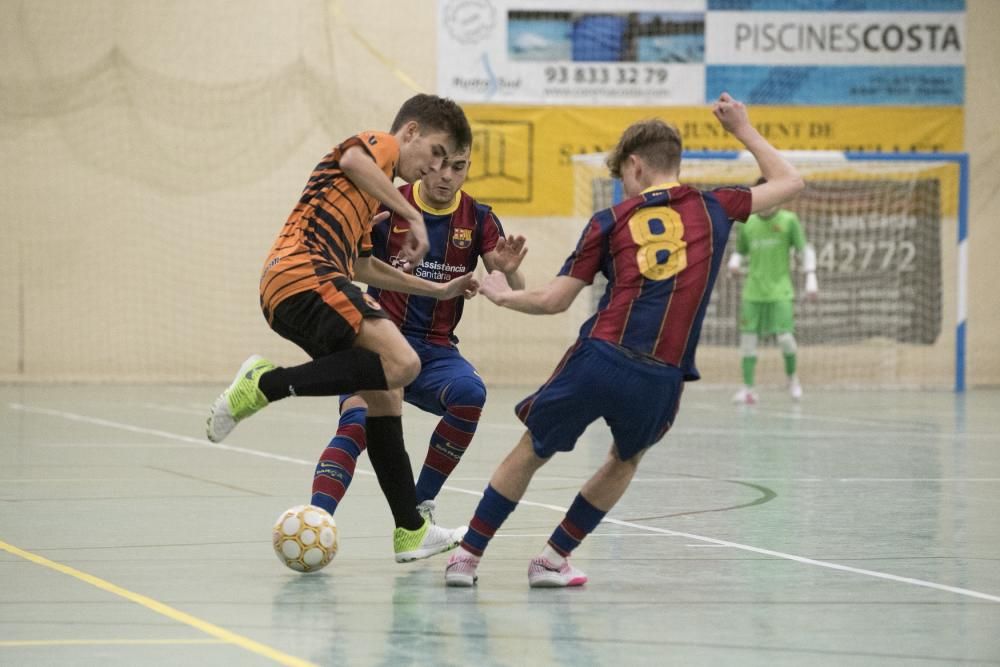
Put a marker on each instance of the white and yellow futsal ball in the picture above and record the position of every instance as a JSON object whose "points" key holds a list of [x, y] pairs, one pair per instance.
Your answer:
{"points": [[305, 538]]}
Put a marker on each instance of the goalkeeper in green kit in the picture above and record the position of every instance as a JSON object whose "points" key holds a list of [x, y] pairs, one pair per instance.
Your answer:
{"points": [[766, 240]]}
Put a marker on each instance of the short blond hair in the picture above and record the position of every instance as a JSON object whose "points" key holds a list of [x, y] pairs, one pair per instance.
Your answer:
{"points": [[657, 142]]}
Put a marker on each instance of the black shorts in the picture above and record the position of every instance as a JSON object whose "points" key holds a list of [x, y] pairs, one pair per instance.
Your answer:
{"points": [[324, 326]]}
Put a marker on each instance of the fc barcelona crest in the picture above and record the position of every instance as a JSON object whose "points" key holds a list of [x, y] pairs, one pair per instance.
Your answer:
{"points": [[461, 238]]}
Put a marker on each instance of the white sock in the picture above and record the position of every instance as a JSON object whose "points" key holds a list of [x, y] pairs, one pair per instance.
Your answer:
{"points": [[551, 555]]}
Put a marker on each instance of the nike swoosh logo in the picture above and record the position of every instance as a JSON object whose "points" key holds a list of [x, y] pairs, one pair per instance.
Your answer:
{"points": [[397, 230]]}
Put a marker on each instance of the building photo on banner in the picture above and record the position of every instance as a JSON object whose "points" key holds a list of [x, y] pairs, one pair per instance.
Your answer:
{"points": [[492, 332]]}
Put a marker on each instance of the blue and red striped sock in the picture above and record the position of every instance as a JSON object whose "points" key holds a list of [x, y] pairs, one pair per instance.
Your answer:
{"points": [[336, 465], [491, 512], [448, 442], [581, 520]]}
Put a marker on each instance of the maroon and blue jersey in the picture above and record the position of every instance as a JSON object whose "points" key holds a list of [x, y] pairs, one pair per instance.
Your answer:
{"points": [[660, 252], [458, 236]]}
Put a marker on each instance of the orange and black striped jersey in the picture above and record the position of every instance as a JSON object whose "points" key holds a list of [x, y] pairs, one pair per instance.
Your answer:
{"points": [[328, 229]]}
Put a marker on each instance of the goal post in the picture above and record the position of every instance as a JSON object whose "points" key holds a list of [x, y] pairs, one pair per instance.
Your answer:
{"points": [[892, 309]]}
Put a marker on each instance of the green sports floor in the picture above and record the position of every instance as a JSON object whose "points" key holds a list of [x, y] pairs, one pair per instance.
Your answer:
{"points": [[854, 528]]}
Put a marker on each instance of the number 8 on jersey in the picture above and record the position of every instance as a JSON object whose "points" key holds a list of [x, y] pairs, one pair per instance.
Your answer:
{"points": [[662, 251]]}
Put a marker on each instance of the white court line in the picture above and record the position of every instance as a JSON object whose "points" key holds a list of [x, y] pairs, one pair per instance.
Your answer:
{"points": [[618, 522], [678, 430], [118, 445], [72, 416]]}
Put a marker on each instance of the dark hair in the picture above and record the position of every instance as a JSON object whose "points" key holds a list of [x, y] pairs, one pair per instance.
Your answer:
{"points": [[658, 144], [761, 181], [435, 114]]}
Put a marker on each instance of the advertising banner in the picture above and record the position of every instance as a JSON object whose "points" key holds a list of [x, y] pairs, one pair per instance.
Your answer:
{"points": [[541, 85], [584, 52], [502, 51], [522, 155]]}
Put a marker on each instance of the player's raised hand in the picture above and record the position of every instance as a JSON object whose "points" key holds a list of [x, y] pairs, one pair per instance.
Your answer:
{"points": [[732, 114], [466, 286], [494, 285], [510, 253]]}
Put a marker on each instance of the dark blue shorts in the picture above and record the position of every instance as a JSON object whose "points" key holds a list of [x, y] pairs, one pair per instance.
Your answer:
{"points": [[439, 366], [638, 399]]}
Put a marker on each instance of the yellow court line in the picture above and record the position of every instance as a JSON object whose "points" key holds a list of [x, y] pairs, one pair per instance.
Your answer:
{"points": [[102, 642], [160, 608]]}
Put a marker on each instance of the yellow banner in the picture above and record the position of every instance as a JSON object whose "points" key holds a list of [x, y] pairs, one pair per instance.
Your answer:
{"points": [[522, 155]]}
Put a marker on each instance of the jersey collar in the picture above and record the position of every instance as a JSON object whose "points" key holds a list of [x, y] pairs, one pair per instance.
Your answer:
{"points": [[424, 206], [660, 186]]}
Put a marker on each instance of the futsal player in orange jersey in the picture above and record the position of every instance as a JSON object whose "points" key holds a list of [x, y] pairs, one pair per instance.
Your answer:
{"points": [[308, 297]]}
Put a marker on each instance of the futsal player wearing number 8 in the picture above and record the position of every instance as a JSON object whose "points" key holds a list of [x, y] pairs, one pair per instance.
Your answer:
{"points": [[660, 251]]}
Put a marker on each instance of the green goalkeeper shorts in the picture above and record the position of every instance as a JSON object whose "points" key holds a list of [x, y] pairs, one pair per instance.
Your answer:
{"points": [[767, 317]]}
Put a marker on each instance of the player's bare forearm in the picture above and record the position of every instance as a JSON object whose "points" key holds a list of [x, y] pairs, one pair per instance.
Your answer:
{"points": [[515, 280], [377, 273], [549, 299], [366, 175], [523, 301], [783, 179]]}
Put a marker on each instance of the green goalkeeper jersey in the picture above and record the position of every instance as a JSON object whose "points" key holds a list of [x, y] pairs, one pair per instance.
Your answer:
{"points": [[766, 242]]}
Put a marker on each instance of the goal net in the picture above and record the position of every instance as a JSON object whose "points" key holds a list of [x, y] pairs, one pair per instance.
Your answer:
{"points": [[884, 228]]}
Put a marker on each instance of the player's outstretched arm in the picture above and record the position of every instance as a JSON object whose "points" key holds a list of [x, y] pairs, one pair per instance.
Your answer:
{"points": [[783, 179], [555, 297], [377, 273], [364, 173]]}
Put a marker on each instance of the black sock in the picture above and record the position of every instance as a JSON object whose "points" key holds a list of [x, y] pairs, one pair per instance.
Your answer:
{"points": [[392, 467], [343, 372]]}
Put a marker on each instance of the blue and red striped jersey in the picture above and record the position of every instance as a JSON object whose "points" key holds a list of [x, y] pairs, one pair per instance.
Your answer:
{"points": [[459, 235], [660, 252]]}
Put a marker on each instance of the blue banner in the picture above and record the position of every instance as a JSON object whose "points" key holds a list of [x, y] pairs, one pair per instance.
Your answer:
{"points": [[838, 86]]}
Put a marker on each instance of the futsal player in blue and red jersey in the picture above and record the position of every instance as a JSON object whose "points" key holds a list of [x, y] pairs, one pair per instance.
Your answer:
{"points": [[660, 251], [461, 231]]}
